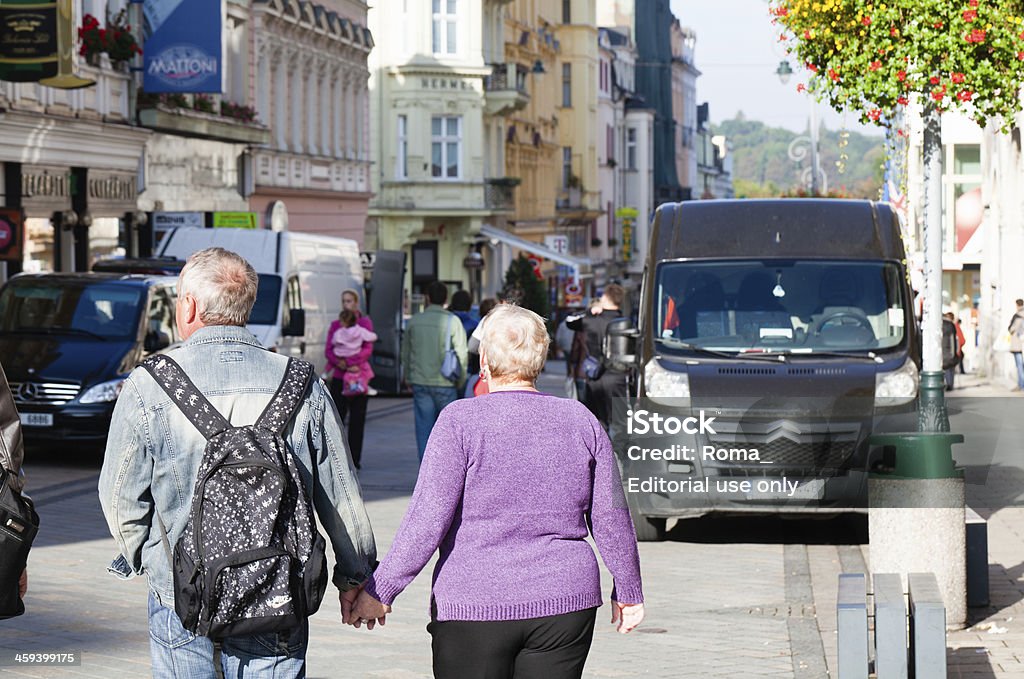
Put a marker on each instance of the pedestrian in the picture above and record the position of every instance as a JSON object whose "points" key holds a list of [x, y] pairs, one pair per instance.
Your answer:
{"points": [[12, 455], [347, 341], [474, 384], [428, 336], [462, 306], [1016, 331], [225, 381], [511, 486], [604, 384], [351, 406], [950, 350], [961, 340]]}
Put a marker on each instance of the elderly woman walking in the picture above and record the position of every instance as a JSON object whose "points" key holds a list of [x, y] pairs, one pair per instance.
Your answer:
{"points": [[510, 483]]}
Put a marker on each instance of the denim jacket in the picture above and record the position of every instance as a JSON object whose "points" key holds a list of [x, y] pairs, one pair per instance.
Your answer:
{"points": [[153, 454]]}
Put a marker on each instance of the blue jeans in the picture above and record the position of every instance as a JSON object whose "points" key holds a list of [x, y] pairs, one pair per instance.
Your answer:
{"points": [[1018, 358], [177, 653], [427, 403]]}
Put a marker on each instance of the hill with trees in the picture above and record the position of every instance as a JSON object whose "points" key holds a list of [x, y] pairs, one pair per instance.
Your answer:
{"points": [[762, 167]]}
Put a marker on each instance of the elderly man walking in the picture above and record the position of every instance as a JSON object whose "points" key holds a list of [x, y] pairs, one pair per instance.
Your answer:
{"points": [[218, 451], [428, 337]]}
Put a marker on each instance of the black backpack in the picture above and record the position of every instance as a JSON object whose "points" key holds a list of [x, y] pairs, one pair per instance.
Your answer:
{"points": [[250, 560]]}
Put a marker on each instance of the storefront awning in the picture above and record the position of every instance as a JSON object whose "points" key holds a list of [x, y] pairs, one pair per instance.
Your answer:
{"points": [[577, 263]]}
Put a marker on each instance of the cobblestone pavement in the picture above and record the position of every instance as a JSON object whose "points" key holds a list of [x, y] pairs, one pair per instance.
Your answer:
{"points": [[725, 599]]}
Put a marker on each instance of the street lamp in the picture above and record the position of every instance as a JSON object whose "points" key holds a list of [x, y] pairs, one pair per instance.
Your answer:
{"points": [[797, 150]]}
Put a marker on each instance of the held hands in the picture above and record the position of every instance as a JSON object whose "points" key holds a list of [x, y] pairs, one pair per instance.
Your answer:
{"points": [[627, 615], [358, 607]]}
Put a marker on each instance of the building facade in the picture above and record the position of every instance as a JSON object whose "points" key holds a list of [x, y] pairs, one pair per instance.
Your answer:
{"points": [[684, 105]]}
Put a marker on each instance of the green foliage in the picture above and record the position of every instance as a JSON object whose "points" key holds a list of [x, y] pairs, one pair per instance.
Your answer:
{"points": [[874, 57], [524, 288], [762, 167]]}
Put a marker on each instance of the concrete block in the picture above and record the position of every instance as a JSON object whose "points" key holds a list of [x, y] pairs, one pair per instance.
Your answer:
{"points": [[917, 526], [927, 627], [852, 621], [977, 558], [890, 626]]}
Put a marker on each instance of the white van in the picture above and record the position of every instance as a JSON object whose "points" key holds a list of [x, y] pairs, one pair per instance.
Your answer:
{"points": [[301, 277]]}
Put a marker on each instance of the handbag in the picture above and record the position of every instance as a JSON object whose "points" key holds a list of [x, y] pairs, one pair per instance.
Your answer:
{"points": [[592, 367], [451, 369], [19, 524]]}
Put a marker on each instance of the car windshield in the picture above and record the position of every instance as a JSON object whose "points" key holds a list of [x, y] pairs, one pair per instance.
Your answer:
{"points": [[99, 310], [268, 294], [790, 306]]}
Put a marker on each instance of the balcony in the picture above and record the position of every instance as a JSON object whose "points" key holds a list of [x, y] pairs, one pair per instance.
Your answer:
{"points": [[195, 116], [505, 89], [499, 193]]}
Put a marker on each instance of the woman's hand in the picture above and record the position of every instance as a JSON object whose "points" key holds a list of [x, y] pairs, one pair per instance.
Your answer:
{"points": [[627, 615], [369, 610]]}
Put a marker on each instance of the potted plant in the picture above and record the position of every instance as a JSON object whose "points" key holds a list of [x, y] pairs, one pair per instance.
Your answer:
{"points": [[116, 40], [239, 112], [203, 103]]}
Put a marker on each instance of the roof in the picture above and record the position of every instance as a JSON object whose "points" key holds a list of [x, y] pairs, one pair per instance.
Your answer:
{"points": [[785, 227]]}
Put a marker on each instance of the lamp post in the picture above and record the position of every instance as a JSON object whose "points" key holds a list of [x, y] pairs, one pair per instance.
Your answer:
{"points": [[814, 175]]}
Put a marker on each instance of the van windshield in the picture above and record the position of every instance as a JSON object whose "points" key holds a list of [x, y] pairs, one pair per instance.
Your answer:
{"points": [[268, 294], [102, 311], [789, 306]]}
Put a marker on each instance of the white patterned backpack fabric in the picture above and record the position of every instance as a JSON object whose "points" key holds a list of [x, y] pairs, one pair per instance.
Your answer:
{"points": [[250, 560]]}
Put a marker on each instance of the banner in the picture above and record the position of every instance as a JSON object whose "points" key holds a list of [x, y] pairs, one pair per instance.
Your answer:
{"points": [[236, 220], [28, 40], [183, 47], [11, 234]]}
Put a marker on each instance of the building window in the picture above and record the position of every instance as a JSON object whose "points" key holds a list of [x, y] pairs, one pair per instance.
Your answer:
{"points": [[566, 165], [402, 162], [566, 11], [567, 85], [631, 148], [444, 27], [967, 159], [609, 143], [445, 147]]}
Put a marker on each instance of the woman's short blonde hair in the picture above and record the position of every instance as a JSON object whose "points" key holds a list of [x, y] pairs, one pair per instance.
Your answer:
{"points": [[515, 341]]}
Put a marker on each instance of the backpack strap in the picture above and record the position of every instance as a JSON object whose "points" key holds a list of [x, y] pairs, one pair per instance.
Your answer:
{"points": [[176, 384], [286, 401]]}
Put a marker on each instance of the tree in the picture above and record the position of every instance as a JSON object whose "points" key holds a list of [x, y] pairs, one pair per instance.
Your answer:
{"points": [[524, 288], [878, 56]]}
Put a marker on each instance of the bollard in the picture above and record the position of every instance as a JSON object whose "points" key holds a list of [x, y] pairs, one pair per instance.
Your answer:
{"points": [[852, 626], [916, 514], [890, 626]]}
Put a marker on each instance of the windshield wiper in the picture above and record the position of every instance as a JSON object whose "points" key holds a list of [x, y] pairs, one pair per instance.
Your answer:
{"points": [[869, 356], [760, 356]]}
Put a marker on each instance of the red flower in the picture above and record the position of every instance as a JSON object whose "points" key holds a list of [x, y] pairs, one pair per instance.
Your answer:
{"points": [[901, 75], [875, 114], [1020, 55], [801, 88], [938, 93], [1020, 36], [866, 21], [807, 34], [970, 15], [811, 67], [893, 32], [834, 74], [977, 35], [902, 101], [937, 24], [957, 77], [900, 133], [965, 95], [973, 3], [875, 65], [933, 80]]}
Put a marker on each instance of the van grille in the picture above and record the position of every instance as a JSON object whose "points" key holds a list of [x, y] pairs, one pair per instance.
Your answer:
{"points": [[746, 371], [44, 393], [816, 371]]}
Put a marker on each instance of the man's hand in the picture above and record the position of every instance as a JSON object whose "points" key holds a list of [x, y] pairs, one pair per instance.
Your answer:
{"points": [[368, 610], [23, 584], [348, 599], [627, 615]]}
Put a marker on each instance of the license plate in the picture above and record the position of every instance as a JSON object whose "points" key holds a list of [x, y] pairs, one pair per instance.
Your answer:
{"points": [[37, 419]]}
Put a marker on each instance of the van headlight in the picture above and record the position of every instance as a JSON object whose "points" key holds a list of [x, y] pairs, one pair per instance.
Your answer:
{"points": [[665, 386], [104, 392], [897, 387]]}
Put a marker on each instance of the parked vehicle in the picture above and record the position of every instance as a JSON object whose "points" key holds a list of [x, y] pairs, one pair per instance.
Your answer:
{"points": [[790, 323], [69, 340], [301, 279]]}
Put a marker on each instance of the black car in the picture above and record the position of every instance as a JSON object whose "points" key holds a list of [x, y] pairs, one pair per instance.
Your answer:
{"points": [[68, 342]]}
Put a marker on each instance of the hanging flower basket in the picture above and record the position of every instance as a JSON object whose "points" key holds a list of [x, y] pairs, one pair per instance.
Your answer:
{"points": [[116, 40]]}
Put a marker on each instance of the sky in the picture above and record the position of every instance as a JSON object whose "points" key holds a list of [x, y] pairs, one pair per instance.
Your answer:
{"points": [[737, 53]]}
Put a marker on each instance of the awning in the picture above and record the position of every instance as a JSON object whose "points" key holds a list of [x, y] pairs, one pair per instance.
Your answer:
{"points": [[536, 248]]}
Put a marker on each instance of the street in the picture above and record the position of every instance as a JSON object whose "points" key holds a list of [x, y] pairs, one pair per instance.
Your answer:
{"points": [[725, 598]]}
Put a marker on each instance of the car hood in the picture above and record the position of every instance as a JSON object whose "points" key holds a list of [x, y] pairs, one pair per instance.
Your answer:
{"points": [[62, 358]]}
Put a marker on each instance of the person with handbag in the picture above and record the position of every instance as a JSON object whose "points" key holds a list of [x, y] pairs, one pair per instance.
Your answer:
{"points": [[15, 509], [434, 359], [603, 385], [510, 489]]}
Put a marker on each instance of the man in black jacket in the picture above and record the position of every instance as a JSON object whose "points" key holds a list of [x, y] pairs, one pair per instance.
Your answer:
{"points": [[12, 451], [609, 384]]}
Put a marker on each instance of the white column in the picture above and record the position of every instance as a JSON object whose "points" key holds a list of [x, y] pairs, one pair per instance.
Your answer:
{"points": [[349, 108], [297, 101], [334, 110], [264, 84], [312, 104], [280, 100]]}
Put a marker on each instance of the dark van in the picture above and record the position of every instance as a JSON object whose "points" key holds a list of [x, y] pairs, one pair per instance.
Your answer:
{"points": [[68, 342], [787, 327]]}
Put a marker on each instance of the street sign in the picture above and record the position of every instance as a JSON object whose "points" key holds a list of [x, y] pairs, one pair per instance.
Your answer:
{"points": [[368, 259], [167, 220], [559, 244], [573, 293], [11, 220], [235, 220]]}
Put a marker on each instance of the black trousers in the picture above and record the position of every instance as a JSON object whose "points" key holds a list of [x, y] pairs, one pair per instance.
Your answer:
{"points": [[353, 415], [553, 647]]}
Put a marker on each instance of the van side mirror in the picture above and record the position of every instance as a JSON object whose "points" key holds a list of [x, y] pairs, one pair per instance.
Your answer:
{"points": [[620, 344], [155, 341], [296, 326]]}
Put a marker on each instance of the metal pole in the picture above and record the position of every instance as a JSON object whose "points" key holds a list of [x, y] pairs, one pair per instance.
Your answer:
{"points": [[932, 415], [135, 18]]}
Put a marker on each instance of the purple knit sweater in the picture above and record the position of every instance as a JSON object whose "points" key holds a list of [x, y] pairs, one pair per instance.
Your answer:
{"points": [[506, 488]]}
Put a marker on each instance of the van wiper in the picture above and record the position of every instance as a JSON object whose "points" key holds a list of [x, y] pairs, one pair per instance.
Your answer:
{"points": [[870, 356], [677, 344]]}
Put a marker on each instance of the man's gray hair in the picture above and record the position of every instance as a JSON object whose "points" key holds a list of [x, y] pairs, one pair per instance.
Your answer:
{"points": [[223, 284]]}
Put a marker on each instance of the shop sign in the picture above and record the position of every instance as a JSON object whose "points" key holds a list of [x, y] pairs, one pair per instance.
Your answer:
{"points": [[11, 234], [559, 244], [169, 220], [28, 40], [236, 220], [111, 192], [184, 51], [628, 217], [573, 293], [46, 189]]}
